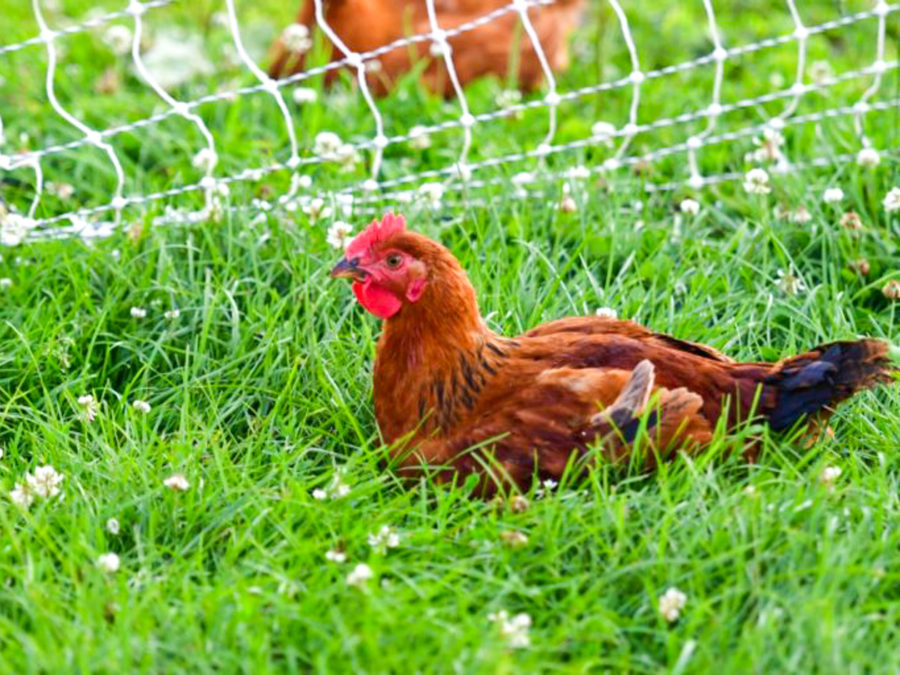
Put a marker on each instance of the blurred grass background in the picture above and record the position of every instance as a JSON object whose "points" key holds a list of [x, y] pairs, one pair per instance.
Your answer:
{"points": [[104, 91]]}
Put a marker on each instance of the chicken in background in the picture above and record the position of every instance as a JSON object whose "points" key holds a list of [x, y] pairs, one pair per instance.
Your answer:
{"points": [[497, 47], [453, 395]]}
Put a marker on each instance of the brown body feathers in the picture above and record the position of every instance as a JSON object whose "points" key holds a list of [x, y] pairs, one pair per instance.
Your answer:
{"points": [[493, 47]]}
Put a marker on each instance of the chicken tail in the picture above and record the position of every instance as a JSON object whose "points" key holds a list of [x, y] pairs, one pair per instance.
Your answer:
{"points": [[811, 384]]}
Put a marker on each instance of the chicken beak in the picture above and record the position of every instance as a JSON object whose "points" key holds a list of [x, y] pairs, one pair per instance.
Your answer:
{"points": [[348, 269]]}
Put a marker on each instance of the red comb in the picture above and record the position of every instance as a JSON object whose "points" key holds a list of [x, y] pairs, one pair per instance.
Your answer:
{"points": [[375, 233]]}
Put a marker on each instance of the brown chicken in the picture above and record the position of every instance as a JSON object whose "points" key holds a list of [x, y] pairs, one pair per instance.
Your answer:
{"points": [[452, 394], [495, 47]]}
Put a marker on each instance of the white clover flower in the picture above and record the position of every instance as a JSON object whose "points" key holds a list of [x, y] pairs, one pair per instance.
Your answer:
{"points": [[347, 157], [431, 194], [523, 178], [800, 215], [303, 95], [89, 407], [790, 283], [749, 490], [419, 138], [359, 575], [513, 538], [829, 477], [671, 603], [546, 486], [327, 144], [568, 204], [514, 630], [205, 159], [891, 290], [112, 526], [295, 38], [339, 234], [108, 562], [138, 312], [177, 482], [508, 98], [518, 504], [336, 488], [520, 180], [604, 131], [22, 495], [579, 172], [63, 191], [14, 228], [384, 539], [316, 210], [833, 195], [830, 474], [689, 206], [173, 313], [891, 201], [336, 555], [851, 221], [118, 38], [607, 313], [141, 406], [768, 147], [5, 283], [860, 265], [44, 482], [781, 212], [461, 171], [868, 158], [756, 182]]}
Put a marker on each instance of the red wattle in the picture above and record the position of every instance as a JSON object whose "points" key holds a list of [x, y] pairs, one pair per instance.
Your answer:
{"points": [[377, 299]]}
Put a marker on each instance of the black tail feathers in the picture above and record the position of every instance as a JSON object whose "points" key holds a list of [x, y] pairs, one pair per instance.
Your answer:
{"points": [[823, 377]]}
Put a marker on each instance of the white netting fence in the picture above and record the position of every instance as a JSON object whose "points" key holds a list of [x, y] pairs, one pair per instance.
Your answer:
{"points": [[698, 146]]}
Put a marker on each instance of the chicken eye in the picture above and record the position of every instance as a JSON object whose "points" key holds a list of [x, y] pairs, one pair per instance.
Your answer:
{"points": [[394, 260]]}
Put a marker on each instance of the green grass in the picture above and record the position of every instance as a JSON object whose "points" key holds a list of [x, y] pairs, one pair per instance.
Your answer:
{"points": [[261, 390]]}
